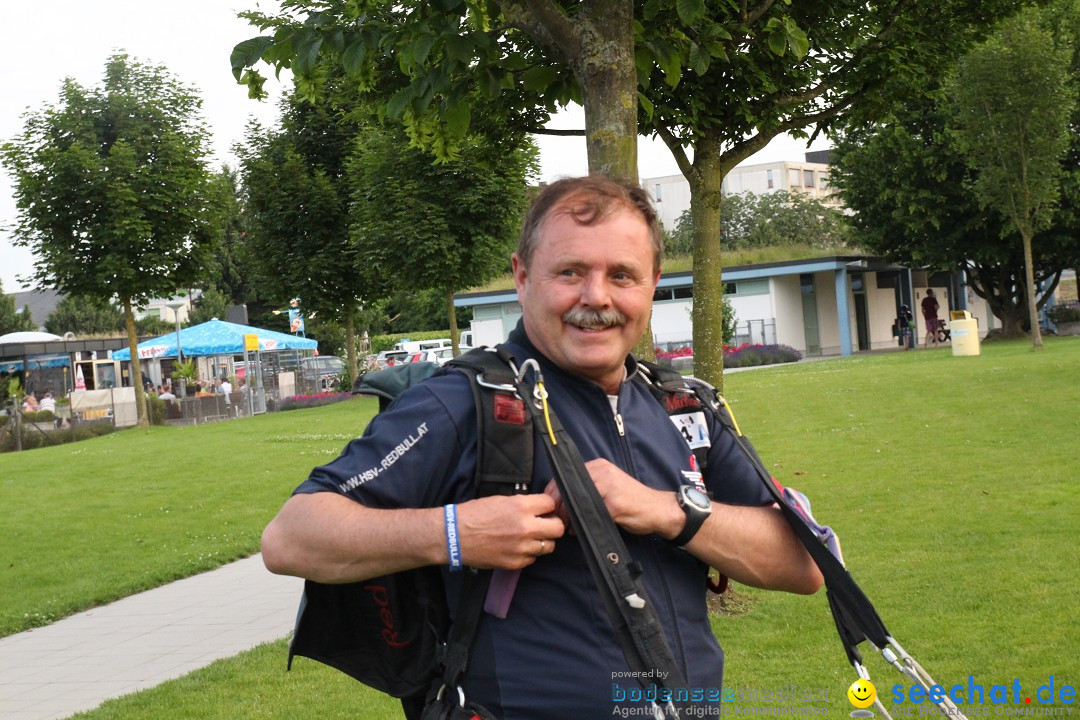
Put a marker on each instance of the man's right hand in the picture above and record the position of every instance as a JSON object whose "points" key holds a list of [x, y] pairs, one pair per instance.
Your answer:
{"points": [[507, 531], [331, 538]]}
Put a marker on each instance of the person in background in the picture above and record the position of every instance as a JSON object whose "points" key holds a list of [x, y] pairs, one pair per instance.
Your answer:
{"points": [[904, 328], [48, 402], [929, 312]]}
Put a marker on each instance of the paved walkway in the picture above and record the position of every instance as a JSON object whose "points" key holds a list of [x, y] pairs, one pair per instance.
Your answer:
{"points": [[141, 641]]}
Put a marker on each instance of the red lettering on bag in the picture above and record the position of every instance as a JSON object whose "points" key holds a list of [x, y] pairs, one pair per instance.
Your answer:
{"points": [[389, 632], [509, 409], [678, 402]]}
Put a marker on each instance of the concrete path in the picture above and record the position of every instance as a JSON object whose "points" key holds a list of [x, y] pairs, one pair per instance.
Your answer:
{"points": [[141, 641]]}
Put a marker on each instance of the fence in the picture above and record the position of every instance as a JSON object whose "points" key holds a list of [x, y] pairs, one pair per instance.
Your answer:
{"points": [[756, 332], [20, 430]]}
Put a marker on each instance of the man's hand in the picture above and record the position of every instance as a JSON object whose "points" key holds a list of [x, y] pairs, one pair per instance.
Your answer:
{"points": [[633, 506], [508, 531], [753, 545]]}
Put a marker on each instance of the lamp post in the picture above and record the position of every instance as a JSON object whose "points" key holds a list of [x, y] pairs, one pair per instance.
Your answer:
{"points": [[175, 306]]}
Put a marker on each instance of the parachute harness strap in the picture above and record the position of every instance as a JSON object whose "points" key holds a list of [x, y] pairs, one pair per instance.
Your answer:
{"points": [[539, 392]]}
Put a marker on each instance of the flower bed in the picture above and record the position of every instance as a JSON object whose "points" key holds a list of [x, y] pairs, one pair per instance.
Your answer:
{"points": [[745, 355]]}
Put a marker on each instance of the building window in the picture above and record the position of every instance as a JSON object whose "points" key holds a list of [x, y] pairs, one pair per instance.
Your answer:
{"points": [[659, 194], [793, 178], [769, 179], [748, 287], [679, 293], [808, 178]]}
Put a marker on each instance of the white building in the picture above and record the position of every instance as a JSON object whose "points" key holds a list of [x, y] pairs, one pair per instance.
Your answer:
{"points": [[836, 305], [672, 192]]}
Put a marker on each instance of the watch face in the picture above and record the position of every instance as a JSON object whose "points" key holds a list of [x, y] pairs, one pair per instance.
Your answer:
{"points": [[696, 498]]}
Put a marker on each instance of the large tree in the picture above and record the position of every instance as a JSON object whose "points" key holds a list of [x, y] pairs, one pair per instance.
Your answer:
{"points": [[908, 184], [297, 200], [85, 316], [1013, 100], [445, 226], [111, 189]]}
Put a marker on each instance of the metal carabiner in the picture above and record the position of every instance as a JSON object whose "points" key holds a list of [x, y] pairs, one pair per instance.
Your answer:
{"points": [[460, 692]]}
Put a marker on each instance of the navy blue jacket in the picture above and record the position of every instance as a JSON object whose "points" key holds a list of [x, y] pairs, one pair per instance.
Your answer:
{"points": [[554, 655]]}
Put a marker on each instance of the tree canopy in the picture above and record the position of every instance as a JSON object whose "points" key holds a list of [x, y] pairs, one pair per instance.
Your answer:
{"points": [[297, 205], [111, 189], [11, 319], [776, 219], [716, 77], [908, 184], [722, 79], [85, 316], [445, 226]]}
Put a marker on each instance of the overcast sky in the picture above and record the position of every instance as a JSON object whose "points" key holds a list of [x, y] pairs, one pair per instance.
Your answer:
{"points": [[49, 40]]}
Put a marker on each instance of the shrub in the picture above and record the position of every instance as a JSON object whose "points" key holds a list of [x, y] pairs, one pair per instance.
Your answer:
{"points": [[386, 342], [1064, 313], [299, 402], [33, 438], [747, 355], [39, 416], [157, 409]]}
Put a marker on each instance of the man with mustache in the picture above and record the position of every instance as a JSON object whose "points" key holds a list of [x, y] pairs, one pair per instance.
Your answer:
{"points": [[586, 268]]}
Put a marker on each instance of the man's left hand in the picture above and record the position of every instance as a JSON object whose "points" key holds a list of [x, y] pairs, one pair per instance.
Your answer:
{"points": [[634, 507]]}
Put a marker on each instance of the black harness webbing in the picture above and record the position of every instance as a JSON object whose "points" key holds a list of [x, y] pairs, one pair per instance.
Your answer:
{"points": [[633, 619]]}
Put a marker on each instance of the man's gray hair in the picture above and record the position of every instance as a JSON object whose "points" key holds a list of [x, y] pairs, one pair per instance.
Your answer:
{"points": [[588, 200]]}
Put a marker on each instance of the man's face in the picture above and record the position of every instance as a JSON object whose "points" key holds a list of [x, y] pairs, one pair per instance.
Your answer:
{"points": [[587, 295]]}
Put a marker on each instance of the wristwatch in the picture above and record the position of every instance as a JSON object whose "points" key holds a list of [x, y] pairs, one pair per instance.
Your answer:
{"points": [[697, 507]]}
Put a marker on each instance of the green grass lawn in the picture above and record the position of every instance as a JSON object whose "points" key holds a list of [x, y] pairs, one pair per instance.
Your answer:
{"points": [[90, 522], [952, 483]]}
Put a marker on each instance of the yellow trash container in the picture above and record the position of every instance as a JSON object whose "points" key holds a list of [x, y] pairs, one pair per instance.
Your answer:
{"points": [[964, 331]]}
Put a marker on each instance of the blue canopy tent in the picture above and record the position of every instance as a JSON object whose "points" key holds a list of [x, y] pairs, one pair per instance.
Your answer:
{"points": [[216, 337]]}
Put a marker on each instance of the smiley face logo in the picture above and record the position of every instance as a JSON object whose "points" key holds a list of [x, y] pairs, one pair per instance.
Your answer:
{"points": [[862, 693]]}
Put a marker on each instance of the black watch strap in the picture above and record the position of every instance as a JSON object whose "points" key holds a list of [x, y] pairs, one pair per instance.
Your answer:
{"points": [[695, 518]]}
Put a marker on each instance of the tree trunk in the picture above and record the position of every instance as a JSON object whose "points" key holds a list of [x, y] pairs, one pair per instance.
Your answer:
{"points": [[707, 314], [451, 314], [1032, 292], [136, 366], [604, 65], [605, 68], [350, 341], [16, 422]]}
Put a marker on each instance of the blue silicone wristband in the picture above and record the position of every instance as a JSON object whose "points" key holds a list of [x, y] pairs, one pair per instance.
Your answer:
{"points": [[453, 548]]}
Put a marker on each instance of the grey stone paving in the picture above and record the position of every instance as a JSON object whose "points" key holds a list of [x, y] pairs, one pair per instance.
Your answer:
{"points": [[141, 641]]}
